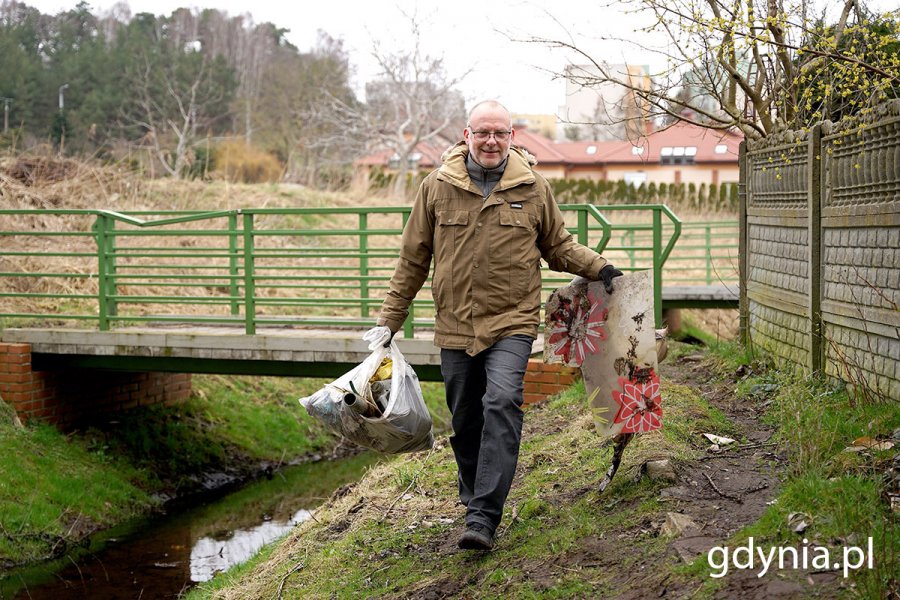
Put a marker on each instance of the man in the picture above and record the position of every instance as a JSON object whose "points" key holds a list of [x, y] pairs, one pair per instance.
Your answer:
{"points": [[486, 218]]}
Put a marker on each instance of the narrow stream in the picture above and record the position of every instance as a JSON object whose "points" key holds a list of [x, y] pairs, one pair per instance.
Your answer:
{"points": [[164, 556]]}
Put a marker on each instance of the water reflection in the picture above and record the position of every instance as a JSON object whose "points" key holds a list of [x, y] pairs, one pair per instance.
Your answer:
{"points": [[214, 555], [163, 557]]}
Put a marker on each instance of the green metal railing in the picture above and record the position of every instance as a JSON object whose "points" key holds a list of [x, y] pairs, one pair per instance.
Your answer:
{"points": [[706, 253], [258, 267]]}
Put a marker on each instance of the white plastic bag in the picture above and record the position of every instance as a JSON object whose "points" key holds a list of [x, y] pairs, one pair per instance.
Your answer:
{"points": [[404, 425]]}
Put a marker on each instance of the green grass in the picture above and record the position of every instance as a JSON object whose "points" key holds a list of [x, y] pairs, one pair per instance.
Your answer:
{"points": [[51, 486], [56, 488], [690, 332], [275, 422], [226, 420], [392, 535]]}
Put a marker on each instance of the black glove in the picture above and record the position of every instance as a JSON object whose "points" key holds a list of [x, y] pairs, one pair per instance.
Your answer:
{"points": [[606, 276]]}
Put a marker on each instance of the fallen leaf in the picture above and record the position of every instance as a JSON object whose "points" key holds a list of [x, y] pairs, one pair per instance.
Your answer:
{"points": [[874, 444], [867, 443]]}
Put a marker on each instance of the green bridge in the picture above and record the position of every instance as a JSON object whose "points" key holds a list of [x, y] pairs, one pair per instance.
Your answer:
{"points": [[280, 291]]}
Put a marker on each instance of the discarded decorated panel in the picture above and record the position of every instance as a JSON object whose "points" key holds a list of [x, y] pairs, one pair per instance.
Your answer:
{"points": [[612, 339]]}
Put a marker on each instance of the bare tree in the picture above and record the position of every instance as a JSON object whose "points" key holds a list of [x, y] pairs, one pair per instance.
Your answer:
{"points": [[413, 101], [604, 111], [289, 117], [249, 49], [758, 65], [174, 102]]}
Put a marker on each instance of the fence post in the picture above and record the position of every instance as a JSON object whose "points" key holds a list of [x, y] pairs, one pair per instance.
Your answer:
{"points": [[709, 256], [233, 271], [814, 185], [363, 264], [408, 330], [743, 193], [249, 285], [582, 227], [657, 267], [106, 270]]}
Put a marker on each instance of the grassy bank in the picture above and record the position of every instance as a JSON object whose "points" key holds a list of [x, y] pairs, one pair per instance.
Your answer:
{"points": [[394, 535], [57, 489]]}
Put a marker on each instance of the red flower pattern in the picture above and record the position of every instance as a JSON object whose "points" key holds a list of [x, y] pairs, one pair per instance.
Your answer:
{"points": [[639, 404], [577, 332]]}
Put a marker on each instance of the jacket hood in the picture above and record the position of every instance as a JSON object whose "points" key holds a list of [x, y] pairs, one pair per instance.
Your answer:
{"points": [[518, 168]]}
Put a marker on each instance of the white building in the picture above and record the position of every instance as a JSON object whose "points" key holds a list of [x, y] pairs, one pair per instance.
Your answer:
{"points": [[603, 111]]}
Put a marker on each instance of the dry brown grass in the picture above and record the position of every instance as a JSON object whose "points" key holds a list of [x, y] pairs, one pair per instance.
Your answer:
{"points": [[48, 182], [721, 323], [52, 184], [238, 161]]}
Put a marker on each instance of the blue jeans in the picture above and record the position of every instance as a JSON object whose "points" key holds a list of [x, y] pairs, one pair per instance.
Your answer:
{"points": [[484, 394]]}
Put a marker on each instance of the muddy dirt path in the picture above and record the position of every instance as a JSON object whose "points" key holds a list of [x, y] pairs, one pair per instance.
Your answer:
{"points": [[725, 491]]}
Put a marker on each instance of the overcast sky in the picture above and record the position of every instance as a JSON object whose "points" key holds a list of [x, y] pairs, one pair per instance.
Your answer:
{"points": [[469, 34], [476, 35]]}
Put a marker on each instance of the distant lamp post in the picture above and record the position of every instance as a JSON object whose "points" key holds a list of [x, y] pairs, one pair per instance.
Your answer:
{"points": [[62, 89], [62, 120], [6, 102]]}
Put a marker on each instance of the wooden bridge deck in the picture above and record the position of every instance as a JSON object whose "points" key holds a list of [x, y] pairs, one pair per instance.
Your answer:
{"points": [[294, 351], [700, 296]]}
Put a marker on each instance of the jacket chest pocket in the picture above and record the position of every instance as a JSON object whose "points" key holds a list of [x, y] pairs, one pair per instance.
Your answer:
{"points": [[515, 235], [451, 225]]}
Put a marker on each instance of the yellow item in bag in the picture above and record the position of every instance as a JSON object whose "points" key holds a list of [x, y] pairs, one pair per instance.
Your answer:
{"points": [[384, 370]]}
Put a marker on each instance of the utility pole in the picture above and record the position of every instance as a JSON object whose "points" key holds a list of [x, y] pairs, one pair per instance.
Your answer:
{"points": [[6, 102], [62, 88], [62, 119]]}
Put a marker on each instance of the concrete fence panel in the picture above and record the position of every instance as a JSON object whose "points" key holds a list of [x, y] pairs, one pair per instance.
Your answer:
{"points": [[777, 246], [821, 236], [860, 253]]}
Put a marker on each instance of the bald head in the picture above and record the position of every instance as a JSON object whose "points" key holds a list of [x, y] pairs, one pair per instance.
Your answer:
{"points": [[489, 106]]}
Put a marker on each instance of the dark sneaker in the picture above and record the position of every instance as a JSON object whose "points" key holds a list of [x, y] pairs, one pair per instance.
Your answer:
{"points": [[477, 537]]}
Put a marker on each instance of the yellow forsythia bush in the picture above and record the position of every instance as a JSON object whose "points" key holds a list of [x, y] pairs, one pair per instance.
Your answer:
{"points": [[240, 162]]}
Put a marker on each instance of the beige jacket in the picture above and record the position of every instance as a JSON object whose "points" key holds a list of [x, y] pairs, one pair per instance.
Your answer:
{"points": [[487, 280]]}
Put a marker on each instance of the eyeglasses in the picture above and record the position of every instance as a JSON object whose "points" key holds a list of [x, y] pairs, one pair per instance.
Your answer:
{"points": [[483, 136]]}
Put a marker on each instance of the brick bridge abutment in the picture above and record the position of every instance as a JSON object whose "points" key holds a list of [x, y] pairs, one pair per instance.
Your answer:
{"points": [[66, 398]]}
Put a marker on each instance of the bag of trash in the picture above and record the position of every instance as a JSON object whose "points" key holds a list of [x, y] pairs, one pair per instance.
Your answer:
{"points": [[377, 404]]}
